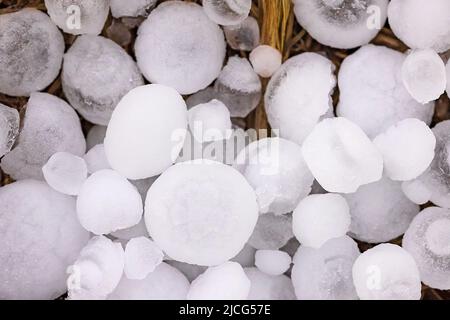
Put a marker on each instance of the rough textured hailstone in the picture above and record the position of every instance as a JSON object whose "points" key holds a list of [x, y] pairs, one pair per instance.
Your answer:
{"points": [[341, 157], [224, 282], [387, 272], [201, 212], [244, 36], [190, 47], [416, 191], [107, 202], [131, 8], [407, 148], [96, 159], [272, 232], [428, 241], [31, 52], [266, 287], [146, 131], [272, 262], [227, 12], [9, 128], [142, 256], [41, 237], [319, 218], [95, 136], [298, 95]]}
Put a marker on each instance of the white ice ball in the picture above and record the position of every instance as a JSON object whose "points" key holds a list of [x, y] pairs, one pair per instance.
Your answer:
{"points": [[272, 262], [142, 256], [266, 60]]}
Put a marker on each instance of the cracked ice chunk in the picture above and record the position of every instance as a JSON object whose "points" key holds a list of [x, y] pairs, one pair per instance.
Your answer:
{"points": [[271, 232], [131, 8], [341, 157], [416, 191], [142, 256], [227, 12], [386, 272], [9, 128], [96, 159], [272, 262], [31, 52], [266, 60], [244, 36], [95, 136], [190, 47], [266, 287]]}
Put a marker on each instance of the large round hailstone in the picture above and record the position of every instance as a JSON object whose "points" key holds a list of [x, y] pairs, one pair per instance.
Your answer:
{"points": [[272, 232], [227, 12], [272, 262], [9, 128], [277, 172], [421, 24], [31, 52], [180, 47], [299, 95], [266, 287], [387, 272], [342, 24], [97, 73], [146, 131], [372, 93], [201, 212], [341, 157], [428, 241], [108, 202], [41, 237], [380, 211]]}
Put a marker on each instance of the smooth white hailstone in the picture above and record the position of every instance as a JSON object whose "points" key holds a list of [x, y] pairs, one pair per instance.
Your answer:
{"points": [[372, 93], [266, 287], [95, 136], [191, 271], [341, 157], [299, 95], [50, 125], [227, 12], [244, 36], [325, 273], [40, 238], [272, 262], [416, 191], [65, 173], [342, 24], [428, 241], [146, 131], [421, 24], [319, 218], [139, 230], [266, 60], [407, 148], [96, 159], [190, 47], [131, 8], [142, 256], [387, 272], [272, 232], [246, 258], [97, 73], [107, 202], [31, 52], [9, 128], [224, 282], [201, 212]]}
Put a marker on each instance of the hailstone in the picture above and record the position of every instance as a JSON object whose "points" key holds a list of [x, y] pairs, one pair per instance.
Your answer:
{"points": [[272, 232], [9, 128], [266, 287], [272, 262], [131, 8], [142, 256], [96, 159], [244, 36], [266, 60], [227, 12]]}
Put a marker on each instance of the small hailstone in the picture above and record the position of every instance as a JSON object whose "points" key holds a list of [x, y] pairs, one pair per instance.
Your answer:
{"points": [[107, 202], [139, 230], [96, 159], [246, 258], [319, 218], [341, 157], [272, 262], [325, 273], [191, 48], [227, 12], [244, 36], [342, 24], [271, 232], [423, 74], [416, 191], [50, 125], [65, 173], [146, 131], [142, 256], [191, 271], [131, 8], [224, 282], [386, 272], [428, 241], [421, 24], [201, 212], [9, 128], [95, 136], [266, 287], [299, 95], [266, 60], [407, 148], [31, 52]]}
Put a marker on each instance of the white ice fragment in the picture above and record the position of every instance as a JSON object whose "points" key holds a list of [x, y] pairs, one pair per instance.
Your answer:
{"points": [[131, 8], [272, 262], [266, 287], [416, 191], [266, 60], [9, 128], [96, 159], [272, 232], [95, 136], [142, 256], [227, 12], [244, 36]]}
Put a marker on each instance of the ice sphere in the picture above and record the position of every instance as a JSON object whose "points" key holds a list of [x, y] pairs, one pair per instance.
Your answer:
{"points": [[239, 87], [272, 232], [341, 157], [146, 131], [142, 256], [139, 230], [96, 159], [201, 212], [95, 136], [165, 283], [423, 74], [65, 173], [299, 94], [190, 47], [380, 211], [107, 202], [9, 128], [416, 191], [97, 73], [131, 8], [266, 287], [246, 258], [421, 24], [386, 272], [428, 241], [325, 273], [244, 36], [31, 52], [227, 12], [276, 170], [50, 125], [40, 238], [79, 16], [224, 282], [372, 93], [191, 271], [272, 262], [319, 218], [266, 60]]}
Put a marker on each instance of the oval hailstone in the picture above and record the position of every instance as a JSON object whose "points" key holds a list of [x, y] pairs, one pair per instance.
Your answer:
{"points": [[201, 212], [266, 60], [272, 262], [146, 132], [227, 12]]}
